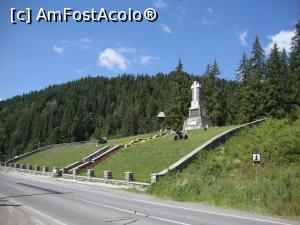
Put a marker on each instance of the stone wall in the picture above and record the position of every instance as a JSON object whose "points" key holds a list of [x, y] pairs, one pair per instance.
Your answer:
{"points": [[119, 183], [25, 171], [96, 159], [56, 173], [184, 161]]}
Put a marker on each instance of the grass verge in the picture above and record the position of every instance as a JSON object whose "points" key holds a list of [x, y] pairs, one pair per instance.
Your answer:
{"points": [[225, 176], [153, 156]]}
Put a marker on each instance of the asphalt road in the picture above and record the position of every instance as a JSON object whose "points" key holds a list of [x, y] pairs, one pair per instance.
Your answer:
{"points": [[60, 202]]}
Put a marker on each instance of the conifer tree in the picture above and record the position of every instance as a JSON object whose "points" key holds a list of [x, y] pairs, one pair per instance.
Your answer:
{"points": [[179, 101], [294, 82], [243, 70], [275, 101], [251, 88], [213, 95]]}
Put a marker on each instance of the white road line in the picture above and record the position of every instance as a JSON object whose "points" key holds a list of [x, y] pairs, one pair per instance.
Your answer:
{"points": [[198, 210], [132, 212], [204, 211]]}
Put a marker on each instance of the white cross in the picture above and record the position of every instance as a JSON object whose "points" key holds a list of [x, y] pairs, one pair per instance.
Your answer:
{"points": [[194, 87]]}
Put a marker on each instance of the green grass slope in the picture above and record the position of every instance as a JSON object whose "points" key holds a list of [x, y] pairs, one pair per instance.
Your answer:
{"points": [[225, 176], [153, 156], [64, 155], [60, 156]]}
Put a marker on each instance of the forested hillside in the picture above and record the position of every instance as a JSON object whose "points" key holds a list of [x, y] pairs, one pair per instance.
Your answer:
{"points": [[128, 104]]}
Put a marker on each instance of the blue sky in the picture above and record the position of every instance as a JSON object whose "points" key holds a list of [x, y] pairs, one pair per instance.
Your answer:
{"points": [[37, 55]]}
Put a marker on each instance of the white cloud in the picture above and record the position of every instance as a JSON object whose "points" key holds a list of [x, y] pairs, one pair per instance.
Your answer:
{"points": [[146, 59], [83, 43], [58, 50], [242, 37], [282, 39], [206, 21], [166, 28], [160, 4], [209, 16], [209, 10], [113, 59], [86, 40]]}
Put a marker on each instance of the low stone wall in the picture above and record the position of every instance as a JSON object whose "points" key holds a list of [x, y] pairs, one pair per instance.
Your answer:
{"points": [[120, 183], [25, 171], [126, 183], [180, 164]]}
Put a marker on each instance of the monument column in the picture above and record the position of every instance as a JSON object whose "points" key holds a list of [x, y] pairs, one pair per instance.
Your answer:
{"points": [[197, 113]]}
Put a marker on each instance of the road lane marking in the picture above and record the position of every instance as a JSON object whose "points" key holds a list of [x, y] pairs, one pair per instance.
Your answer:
{"points": [[204, 211], [191, 209], [132, 212]]}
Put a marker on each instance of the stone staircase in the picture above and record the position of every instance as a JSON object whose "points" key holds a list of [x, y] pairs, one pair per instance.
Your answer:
{"points": [[92, 160]]}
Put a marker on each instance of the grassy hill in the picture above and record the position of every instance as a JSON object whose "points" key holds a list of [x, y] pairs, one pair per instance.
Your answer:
{"points": [[225, 176], [153, 156], [60, 156], [142, 159], [64, 155]]}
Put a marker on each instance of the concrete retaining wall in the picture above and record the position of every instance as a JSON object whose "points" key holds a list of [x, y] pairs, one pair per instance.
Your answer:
{"points": [[96, 160], [180, 164], [120, 183], [26, 171], [95, 154]]}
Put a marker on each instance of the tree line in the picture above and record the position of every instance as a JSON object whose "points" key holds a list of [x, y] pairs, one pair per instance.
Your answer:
{"points": [[128, 104]]}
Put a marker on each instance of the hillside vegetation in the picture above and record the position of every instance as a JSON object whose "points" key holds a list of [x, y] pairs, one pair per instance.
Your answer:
{"points": [[225, 175], [64, 155], [155, 155], [60, 156], [126, 105]]}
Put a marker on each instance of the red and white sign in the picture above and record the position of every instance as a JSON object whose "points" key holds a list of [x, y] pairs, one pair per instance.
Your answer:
{"points": [[256, 158]]}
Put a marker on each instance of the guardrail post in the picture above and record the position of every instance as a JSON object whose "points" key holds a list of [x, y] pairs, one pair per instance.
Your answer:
{"points": [[45, 169], [128, 176], [75, 172], [154, 178], [90, 173], [64, 170], [107, 174], [55, 171]]}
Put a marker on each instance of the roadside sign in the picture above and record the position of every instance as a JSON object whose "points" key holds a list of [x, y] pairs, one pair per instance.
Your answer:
{"points": [[256, 158]]}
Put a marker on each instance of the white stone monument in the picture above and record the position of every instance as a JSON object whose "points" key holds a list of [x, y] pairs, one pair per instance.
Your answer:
{"points": [[198, 117]]}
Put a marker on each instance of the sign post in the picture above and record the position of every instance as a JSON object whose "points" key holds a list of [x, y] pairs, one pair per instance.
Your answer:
{"points": [[256, 162]]}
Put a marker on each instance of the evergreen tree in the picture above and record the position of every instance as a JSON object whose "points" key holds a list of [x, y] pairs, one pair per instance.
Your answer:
{"points": [[243, 70], [275, 100], [213, 90], [294, 82], [251, 88], [179, 100]]}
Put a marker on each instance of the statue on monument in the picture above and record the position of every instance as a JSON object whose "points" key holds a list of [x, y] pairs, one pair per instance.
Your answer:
{"points": [[198, 116]]}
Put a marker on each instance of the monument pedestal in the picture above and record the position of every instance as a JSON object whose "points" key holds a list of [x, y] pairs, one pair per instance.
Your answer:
{"points": [[196, 123], [198, 117]]}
